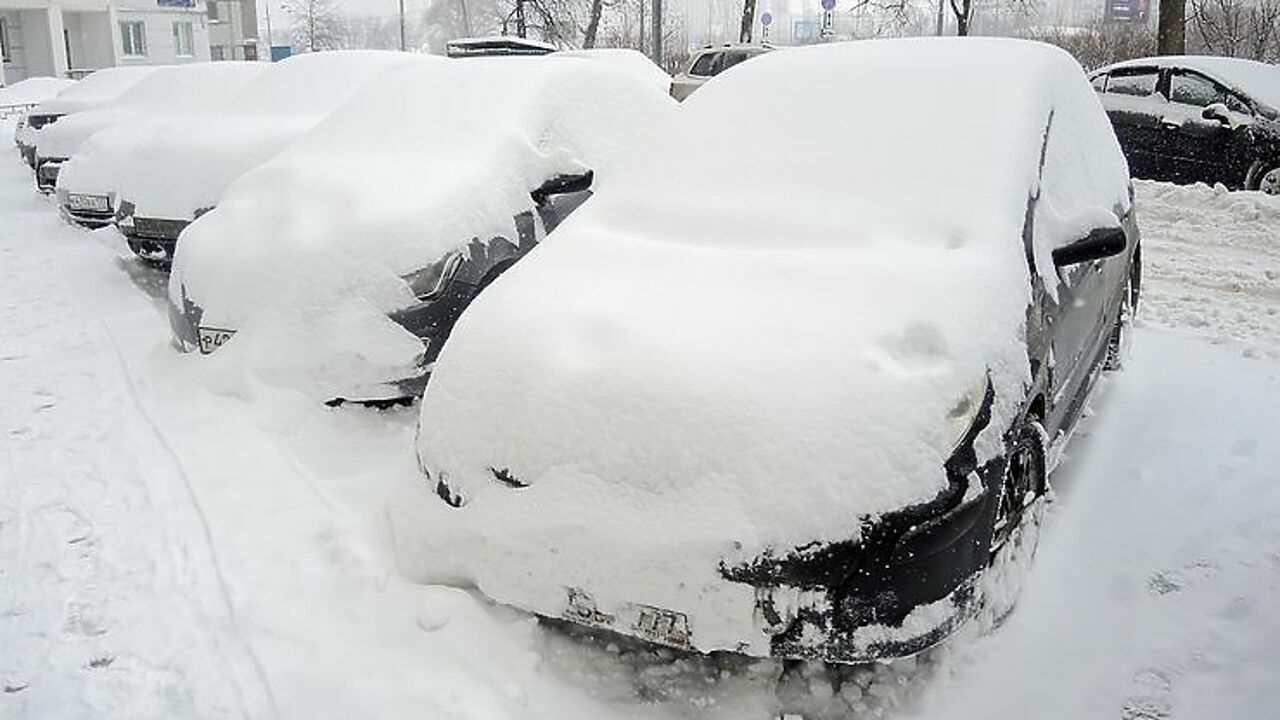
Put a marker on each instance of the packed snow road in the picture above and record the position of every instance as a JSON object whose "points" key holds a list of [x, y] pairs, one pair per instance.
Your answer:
{"points": [[177, 540]]}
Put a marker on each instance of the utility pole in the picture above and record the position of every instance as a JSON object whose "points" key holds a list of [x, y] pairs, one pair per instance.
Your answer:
{"points": [[657, 32], [941, 17], [270, 40], [401, 25]]}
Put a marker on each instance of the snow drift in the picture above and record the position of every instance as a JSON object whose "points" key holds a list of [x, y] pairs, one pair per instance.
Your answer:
{"points": [[305, 255], [728, 352]]}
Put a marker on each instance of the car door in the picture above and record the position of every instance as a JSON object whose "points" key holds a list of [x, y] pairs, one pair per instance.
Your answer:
{"points": [[1135, 107], [1200, 147]]}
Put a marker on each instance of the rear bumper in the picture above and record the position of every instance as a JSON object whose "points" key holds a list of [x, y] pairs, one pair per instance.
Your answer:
{"points": [[152, 239], [47, 173]]}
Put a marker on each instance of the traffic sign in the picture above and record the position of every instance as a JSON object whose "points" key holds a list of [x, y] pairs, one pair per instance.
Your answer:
{"points": [[828, 4], [766, 19]]}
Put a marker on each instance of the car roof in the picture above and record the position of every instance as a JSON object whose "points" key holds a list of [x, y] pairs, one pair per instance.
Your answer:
{"points": [[1259, 81]]}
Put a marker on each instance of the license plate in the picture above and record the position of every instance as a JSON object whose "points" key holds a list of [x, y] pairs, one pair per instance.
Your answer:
{"points": [[96, 203], [666, 627], [213, 338]]}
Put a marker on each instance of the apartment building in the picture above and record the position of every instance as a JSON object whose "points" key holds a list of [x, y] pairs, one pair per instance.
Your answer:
{"points": [[69, 38]]}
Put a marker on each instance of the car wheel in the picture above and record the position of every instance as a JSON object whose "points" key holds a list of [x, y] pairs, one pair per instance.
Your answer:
{"points": [[1269, 183], [1118, 344], [1016, 533], [1264, 177]]}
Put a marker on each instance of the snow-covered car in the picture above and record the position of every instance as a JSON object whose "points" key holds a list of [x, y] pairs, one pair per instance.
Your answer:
{"points": [[195, 88], [180, 170], [802, 408], [1197, 119], [342, 264], [20, 97], [98, 89], [710, 62]]}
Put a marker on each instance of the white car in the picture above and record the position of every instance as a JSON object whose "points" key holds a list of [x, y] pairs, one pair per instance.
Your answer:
{"points": [[709, 62], [800, 405], [181, 169], [97, 90], [195, 88], [339, 266]]}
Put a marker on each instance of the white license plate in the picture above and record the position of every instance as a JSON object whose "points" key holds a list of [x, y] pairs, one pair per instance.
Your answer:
{"points": [[213, 338], [96, 203], [666, 627]]}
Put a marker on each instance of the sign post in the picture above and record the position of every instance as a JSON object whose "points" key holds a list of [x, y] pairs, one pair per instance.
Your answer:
{"points": [[828, 19], [766, 19]]}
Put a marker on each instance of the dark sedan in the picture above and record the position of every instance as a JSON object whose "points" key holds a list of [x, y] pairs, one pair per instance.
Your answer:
{"points": [[1197, 119]]}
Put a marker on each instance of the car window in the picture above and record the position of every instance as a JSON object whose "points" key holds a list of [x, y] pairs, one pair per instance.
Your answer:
{"points": [[1100, 82], [1235, 103], [1140, 83], [733, 58], [1188, 89], [706, 65]]}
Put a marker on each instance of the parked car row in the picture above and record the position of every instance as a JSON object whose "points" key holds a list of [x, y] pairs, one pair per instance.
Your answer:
{"points": [[795, 405]]}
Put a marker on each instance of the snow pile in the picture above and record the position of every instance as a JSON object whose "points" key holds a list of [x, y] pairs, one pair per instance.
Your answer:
{"points": [[32, 91], [198, 87], [304, 255], [631, 61], [1212, 263], [724, 354], [184, 166]]}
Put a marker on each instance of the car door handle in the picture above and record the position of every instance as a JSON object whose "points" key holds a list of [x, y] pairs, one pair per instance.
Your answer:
{"points": [[1168, 124]]}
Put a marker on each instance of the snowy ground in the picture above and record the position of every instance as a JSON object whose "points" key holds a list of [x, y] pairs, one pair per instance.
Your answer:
{"points": [[175, 542]]}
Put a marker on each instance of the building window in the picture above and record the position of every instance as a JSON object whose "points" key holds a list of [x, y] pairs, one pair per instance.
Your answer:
{"points": [[251, 51], [133, 38], [212, 9], [183, 45], [216, 53]]}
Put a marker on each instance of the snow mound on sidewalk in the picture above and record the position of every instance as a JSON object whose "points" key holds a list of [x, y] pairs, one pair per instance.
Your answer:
{"points": [[721, 357], [315, 242]]}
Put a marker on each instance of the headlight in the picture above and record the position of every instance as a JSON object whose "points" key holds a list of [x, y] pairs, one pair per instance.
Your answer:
{"points": [[962, 415], [428, 281]]}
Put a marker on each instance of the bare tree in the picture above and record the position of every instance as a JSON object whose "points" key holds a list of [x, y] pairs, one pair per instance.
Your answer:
{"points": [[593, 23], [1171, 33], [317, 24], [1237, 28], [963, 12], [1099, 43]]}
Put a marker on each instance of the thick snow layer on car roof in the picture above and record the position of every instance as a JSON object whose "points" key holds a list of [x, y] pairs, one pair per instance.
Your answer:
{"points": [[184, 88], [175, 174], [751, 339], [416, 165], [99, 88], [32, 90], [628, 60], [1256, 79]]}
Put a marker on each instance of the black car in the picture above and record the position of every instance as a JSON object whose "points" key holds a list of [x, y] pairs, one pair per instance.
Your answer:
{"points": [[798, 408], [1196, 119]]}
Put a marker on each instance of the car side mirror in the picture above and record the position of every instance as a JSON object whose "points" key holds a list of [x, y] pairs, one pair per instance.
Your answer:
{"points": [[1099, 243], [1216, 111], [563, 185]]}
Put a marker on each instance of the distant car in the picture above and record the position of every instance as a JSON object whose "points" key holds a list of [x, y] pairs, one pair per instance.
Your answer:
{"points": [[173, 177], [98, 89], [194, 87], [372, 244], [711, 61], [1197, 119], [800, 408]]}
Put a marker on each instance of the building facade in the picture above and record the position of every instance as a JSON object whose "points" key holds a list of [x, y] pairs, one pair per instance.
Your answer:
{"points": [[70, 38], [233, 29]]}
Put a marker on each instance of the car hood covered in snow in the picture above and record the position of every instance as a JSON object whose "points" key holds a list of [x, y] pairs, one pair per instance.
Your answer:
{"points": [[175, 174], [751, 340], [419, 164], [195, 88]]}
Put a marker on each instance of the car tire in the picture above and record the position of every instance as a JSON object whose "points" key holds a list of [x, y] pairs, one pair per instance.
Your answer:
{"points": [[1264, 177], [1018, 516], [1121, 337]]}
